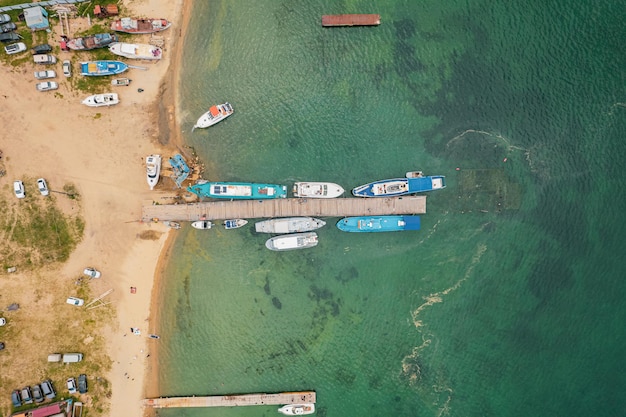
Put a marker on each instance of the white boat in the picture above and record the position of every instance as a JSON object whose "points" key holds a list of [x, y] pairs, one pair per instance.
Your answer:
{"points": [[98, 100], [289, 225], [170, 224], [297, 409], [317, 190], [153, 170], [234, 223], [136, 50], [215, 114], [202, 225], [292, 241]]}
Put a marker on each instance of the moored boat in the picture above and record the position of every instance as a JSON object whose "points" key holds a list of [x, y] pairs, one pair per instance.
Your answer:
{"points": [[98, 68], [85, 43], [234, 223], [379, 223], [138, 26], [292, 241], [99, 100], [170, 224], [289, 225], [136, 50], [238, 190], [297, 409], [400, 186], [202, 225], [215, 114], [153, 170], [317, 190]]}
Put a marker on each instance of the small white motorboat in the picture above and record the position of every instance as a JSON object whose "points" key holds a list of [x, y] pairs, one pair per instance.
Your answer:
{"points": [[121, 81], [297, 409], [215, 114], [153, 170], [99, 100], [234, 223], [136, 50], [292, 241], [173, 225], [317, 190], [202, 225]]}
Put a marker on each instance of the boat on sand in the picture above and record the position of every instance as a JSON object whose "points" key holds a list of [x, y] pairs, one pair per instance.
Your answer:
{"points": [[99, 100], [153, 170], [99, 40], [121, 81], [297, 409], [136, 50], [98, 68], [138, 26], [292, 241]]}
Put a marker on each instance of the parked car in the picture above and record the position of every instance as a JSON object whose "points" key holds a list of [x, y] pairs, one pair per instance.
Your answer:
{"points": [[92, 272], [9, 37], [82, 383], [75, 301], [71, 385], [47, 86], [42, 75], [18, 187], [37, 395], [1, 345], [67, 68], [48, 389], [27, 396], [4, 18], [15, 48], [8, 27], [43, 186], [3, 321], [16, 399], [44, 59], [42, 49]]}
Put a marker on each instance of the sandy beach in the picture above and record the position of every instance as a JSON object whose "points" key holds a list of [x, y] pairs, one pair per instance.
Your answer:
{"points": [[101, 151]]}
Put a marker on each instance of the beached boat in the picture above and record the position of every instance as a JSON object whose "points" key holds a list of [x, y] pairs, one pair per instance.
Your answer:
{"points": [[202, 225], [85, 43], [99, 100], [401, 186], [136, 50], [297, 409], [98, 68], [138, 26], [289, 225], [180, 169], [238, 190], [317, 190], [234, 223], [215, 114], [379, 223], [153, 170], [77, 409], [121, 81], [292, 241], [173, 225]]}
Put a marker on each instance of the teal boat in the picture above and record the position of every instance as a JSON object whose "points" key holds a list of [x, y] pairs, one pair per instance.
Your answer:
{"points": [[99, 68], [238, 190], [379, 223]]}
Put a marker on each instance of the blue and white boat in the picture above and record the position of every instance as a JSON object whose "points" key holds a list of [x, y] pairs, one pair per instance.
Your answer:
{"points": [[379, 223], [97, 68], [238, 190], [414, 182], [180, 169]]}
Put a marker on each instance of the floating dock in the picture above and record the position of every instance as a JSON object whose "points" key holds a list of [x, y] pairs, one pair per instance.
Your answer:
{"points": [[284, 207], [232, 400], [350, 20]]}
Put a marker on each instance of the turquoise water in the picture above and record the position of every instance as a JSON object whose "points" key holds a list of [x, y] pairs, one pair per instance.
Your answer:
{"points": [[508, 302]]}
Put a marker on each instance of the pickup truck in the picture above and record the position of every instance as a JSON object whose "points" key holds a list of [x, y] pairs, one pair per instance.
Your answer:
{"points": [[44, 59]]}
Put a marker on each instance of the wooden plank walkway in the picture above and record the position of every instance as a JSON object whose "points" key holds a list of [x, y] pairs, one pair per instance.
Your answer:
{"points": [[233, 400], [284, 207]]}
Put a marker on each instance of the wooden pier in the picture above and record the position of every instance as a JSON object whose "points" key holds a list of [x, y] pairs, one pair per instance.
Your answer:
{"points": [[351, 20], [284, 207], [232, 400]]}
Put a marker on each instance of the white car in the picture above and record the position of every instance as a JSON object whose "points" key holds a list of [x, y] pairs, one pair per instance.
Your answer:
{"points": [[15, 48], [71, 385], [47, 86], [3, 321], [92, 272], [67, 68], [43, 187], [42, 75], [75, 301], [18, 187]]}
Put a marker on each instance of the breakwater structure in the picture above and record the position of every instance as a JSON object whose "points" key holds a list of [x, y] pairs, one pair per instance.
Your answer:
{"points": [[297, 397], [283, 207]]}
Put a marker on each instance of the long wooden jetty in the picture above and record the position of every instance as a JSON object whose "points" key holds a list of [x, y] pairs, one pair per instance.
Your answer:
{"points": [[281, 398], [350, 20], [284, 207]]}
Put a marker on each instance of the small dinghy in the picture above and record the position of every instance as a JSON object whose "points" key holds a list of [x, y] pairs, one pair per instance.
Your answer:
{"points": [[234, 223]]}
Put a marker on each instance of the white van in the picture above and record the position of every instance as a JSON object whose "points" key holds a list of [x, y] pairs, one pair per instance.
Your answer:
{"points": [[72, 357]]}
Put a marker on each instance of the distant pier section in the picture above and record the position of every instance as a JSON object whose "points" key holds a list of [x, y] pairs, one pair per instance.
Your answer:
{"points": [[284, 207], [281, 398], [330, 20]]}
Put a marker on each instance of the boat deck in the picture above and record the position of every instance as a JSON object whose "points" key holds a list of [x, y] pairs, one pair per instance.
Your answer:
{"points": [[287, 207], [351, 20], [232, 400]]}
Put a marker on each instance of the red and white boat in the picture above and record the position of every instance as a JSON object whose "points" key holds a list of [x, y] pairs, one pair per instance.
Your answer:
{"points": [[139, 26], [215, 114]]}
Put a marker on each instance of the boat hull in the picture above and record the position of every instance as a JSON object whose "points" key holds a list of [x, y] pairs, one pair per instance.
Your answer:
{"points": [[317, 190], [202, 225], [153, 170], [400, 186], [369, 224], [215, 115], [101, 68], [292, 241], [297, 409], [136, 51], [140, 26], [86, 43], [289, 225], [101, 100], [239, 190]]}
